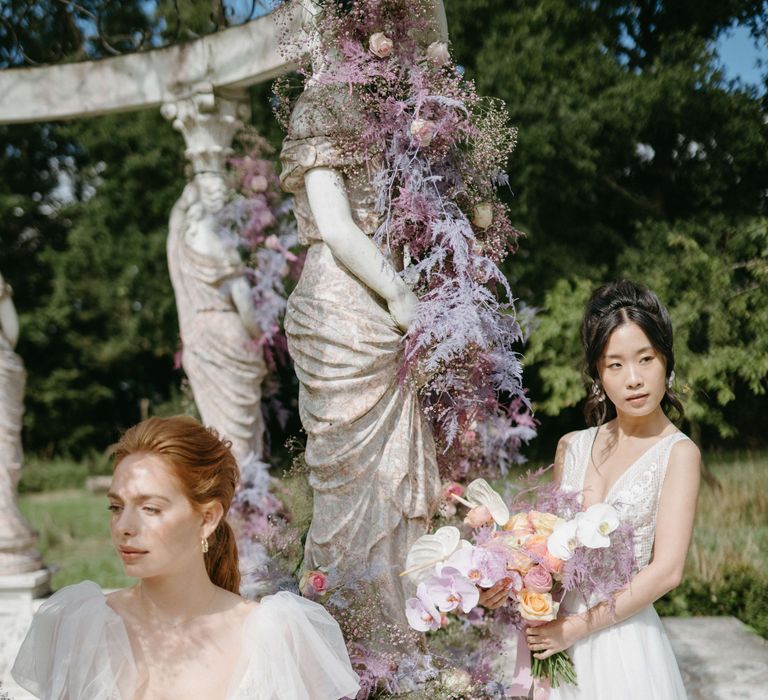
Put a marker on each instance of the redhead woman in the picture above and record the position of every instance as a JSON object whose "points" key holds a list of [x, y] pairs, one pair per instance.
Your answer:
{"points": [[182, 631]]}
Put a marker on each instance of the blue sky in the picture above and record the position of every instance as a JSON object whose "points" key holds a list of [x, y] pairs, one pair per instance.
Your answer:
{"points": [[739, 56]]}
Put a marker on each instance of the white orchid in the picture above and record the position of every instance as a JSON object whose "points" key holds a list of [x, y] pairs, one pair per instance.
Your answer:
{"points": [[430, 550], [595, 524], [563, 540]]}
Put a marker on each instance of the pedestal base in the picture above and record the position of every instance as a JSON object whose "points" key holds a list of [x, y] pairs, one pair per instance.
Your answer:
{"points": [[19, 590], [20, 596]]}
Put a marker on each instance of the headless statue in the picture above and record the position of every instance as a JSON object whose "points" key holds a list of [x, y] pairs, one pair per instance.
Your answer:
{"points": [[17, 538], [370, 452]]}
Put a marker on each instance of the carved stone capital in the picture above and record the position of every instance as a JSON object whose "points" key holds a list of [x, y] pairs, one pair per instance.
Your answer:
{"points": [[208, 119]]}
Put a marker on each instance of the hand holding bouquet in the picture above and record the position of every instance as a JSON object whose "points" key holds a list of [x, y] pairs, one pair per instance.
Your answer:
{"points": [[532, 551]]}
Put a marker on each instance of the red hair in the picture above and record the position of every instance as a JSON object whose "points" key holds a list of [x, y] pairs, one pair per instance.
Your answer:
{"points": [[207, 471]]}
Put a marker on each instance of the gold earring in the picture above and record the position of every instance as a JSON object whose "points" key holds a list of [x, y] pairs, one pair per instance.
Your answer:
{"points": [[204, 545]]}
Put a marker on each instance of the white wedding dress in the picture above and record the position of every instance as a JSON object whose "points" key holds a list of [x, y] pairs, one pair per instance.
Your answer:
{"points": [[632, 659], [78, 649]]}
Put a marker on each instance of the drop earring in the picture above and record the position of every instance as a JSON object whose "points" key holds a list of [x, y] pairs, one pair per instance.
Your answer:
{"points": [[204, 545], [670, 379], [597, 391]]}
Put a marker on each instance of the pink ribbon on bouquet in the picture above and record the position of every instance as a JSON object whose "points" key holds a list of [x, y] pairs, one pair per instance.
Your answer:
{"points": [[522, 680]]}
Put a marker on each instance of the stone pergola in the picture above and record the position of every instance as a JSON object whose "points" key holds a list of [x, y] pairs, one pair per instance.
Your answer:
{"points": [[201, 88]]}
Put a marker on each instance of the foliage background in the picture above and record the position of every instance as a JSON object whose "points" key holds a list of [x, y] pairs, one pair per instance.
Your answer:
{"points": [[636, 158]]}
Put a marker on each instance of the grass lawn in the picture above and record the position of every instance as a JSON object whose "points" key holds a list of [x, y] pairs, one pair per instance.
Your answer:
{"points": [[731, 528], [74, 537]]}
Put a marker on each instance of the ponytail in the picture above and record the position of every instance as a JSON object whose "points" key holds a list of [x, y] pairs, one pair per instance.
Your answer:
{"points": [[221, 560]]}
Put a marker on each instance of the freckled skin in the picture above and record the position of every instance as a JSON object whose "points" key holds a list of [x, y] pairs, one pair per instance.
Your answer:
{"points": [[151, 513]]}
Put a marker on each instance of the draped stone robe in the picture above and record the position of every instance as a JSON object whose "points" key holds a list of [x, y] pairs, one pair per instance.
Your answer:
{"points": [[369, 447]]}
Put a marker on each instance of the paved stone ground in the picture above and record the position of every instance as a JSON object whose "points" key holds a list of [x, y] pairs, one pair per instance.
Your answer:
{"points": [[720, 659]]}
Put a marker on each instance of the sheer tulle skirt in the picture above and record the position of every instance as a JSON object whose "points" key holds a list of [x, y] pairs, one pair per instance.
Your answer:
{"points": [[631, 660]]}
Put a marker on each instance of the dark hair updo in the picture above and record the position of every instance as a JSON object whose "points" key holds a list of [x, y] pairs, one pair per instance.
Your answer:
{"points": [[611, 306]]}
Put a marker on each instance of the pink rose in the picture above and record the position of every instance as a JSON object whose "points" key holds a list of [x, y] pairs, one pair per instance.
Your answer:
{"points": [[313, 583], [452, 488], [423, 131], [380, 45], [538, 579], [478, 516], [437, 53]]}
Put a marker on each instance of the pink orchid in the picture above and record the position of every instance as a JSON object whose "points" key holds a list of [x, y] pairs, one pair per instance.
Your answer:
{"points": [[480, 566], [421, 611], [450, 590]]}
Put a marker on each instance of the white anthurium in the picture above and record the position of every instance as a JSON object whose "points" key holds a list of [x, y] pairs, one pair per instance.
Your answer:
{"points": [[595, 524], [430, 550], [480, 493], [563, 540]]}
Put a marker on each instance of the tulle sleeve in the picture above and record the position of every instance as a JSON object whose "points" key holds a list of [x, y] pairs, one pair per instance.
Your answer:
{"points": [[296, 651], [76, 649]]}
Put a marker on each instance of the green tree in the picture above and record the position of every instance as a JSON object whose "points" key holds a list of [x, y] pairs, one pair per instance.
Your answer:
{"points": [[627, 127]]}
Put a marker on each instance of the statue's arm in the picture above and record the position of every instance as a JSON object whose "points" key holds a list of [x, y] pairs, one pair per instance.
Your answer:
{"points": [[359, 254], [242, 298], [9, 319]]}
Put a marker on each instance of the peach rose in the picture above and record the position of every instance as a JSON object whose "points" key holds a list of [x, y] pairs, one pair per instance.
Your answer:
{"points": [[423, 131], [380, 45], [536, 606], [537, 546], [482, 215], [520, 527], [518, 560], [543, 523], [437, 53], [478, 516]]}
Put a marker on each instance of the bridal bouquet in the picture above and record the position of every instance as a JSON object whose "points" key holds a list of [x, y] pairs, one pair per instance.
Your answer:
{"points": [[539, 554]]}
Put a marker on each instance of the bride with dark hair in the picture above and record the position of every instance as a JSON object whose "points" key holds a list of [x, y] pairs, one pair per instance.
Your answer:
{"points": [[183, 631], [634, 458]]}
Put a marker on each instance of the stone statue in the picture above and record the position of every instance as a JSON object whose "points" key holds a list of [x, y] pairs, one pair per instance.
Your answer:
{"points": [[17, 538], [217, 318], [369, 450]]}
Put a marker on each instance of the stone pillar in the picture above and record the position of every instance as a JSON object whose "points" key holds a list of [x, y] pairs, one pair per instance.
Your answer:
{"points": [[208, 120]]}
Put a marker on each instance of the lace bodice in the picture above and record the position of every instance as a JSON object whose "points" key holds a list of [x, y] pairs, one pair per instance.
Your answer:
{"points": [[637, 491]]}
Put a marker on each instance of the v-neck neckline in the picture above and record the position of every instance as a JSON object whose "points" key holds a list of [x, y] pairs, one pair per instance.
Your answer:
{"points": [[623, 474], [241, 665]]}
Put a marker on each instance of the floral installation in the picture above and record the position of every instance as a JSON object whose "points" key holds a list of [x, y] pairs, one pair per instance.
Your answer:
{"points": [[542, 548], [435, 153], [257, 221]]}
